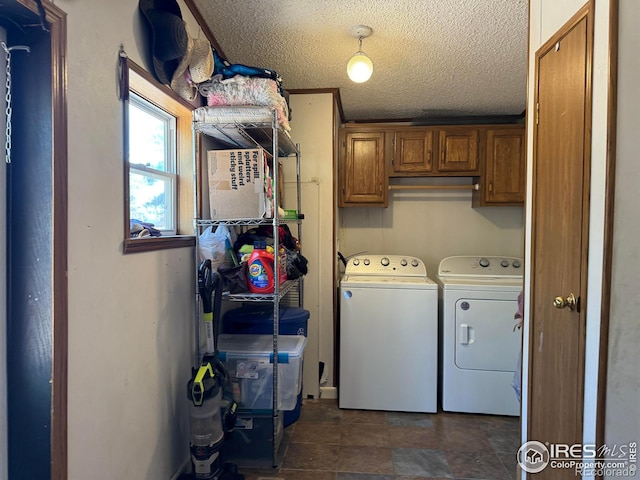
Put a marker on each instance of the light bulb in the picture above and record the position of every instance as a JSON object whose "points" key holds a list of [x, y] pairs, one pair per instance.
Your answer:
{"points": [[360, 67]]}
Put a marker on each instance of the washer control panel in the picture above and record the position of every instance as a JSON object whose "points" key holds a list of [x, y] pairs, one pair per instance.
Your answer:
{"points": [[389, 265], [488, 266]]}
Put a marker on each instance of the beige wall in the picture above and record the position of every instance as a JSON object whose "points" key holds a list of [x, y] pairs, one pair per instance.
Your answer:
{"points": [[312, 128], [130, 316], [432, 225], [623, 382]]}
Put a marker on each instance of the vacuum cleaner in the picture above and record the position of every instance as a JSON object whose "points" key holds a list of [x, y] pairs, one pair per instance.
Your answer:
{"points": [[211, 411]]}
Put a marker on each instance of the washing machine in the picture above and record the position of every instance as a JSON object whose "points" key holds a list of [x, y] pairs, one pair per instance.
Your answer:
{"points": [[478, 299], [388, 335]]}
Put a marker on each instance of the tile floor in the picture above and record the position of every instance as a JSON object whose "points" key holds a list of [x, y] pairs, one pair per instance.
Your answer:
{"points": [[328, 443]]}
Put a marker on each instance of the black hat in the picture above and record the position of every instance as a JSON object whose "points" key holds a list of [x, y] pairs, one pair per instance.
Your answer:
{"points": [[169, 36]]}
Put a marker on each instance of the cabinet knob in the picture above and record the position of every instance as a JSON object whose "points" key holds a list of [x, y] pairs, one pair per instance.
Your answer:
{"points": [[491, 186]]}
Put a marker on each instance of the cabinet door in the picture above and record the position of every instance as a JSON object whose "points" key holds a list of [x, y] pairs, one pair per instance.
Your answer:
{"points": [[412, 153], [459, 151], [363, 178], [504, 180]]}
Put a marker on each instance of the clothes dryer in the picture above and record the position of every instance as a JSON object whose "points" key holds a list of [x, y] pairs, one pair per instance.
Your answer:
{"points": [[388, 335], [478, 299]]}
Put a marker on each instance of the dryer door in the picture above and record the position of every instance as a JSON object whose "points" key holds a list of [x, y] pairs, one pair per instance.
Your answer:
{"points": [[485, 339]]}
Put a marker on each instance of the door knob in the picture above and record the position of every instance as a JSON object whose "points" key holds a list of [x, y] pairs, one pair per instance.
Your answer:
{"points": [[570, 301]]}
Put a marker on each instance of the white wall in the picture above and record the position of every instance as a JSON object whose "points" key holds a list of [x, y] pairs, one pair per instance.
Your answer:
{"points": [[130, 316], [312, 128], [623, 382], [546, 17]]}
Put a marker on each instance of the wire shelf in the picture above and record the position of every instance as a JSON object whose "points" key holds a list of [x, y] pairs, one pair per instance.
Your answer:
{"points": [[247, 222], [248, 135], [262, 130], [261, 297]]}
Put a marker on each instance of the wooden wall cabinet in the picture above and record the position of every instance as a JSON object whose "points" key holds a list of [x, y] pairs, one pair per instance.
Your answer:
{"points": [[435, 151], [502, 178], [412, 151], [363, 179], [493, 154], [459, 149]]}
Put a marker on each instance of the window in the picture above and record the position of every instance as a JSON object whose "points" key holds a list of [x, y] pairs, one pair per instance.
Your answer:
{"points": [[152, 165], [159, 169]]}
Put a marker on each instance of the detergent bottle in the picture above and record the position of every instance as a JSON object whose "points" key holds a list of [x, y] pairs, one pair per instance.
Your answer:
{"points": [[260, 269]]}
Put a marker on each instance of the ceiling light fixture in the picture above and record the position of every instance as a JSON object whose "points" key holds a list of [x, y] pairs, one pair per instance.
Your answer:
{"points": [[360, 66]]}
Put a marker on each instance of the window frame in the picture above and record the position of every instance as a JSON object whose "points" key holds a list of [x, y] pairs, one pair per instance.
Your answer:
{"points": [[140, 82], [169, 175]]}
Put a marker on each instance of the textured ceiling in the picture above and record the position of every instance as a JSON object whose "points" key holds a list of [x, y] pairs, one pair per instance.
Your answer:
{"points": [[431, 57]]}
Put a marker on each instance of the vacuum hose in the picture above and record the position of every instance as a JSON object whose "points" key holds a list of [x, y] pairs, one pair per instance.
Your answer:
{"points": [[210, 289], [217, 300]]}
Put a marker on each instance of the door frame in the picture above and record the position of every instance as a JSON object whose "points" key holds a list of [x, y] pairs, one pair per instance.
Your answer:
{"points": [[58, 32], [609, 190], [586, 12], [610, 185]]}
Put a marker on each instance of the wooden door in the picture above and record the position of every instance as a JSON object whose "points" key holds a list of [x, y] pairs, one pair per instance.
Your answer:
{"points": [[412, 152], [37, 270], [363, 177], [559, 237], [459, 149], [504, 171]]}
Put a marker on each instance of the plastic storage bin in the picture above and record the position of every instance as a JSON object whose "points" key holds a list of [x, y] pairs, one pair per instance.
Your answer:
{"points": [[258, 319], [250, 443], [249, 361]]}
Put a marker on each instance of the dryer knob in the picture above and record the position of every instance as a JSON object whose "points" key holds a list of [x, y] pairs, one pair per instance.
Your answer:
{"points": [[516, 264], [356, 262], [504, 263], [384, 261], [414, 263], [366, 261], [484, 262], [403, 262]]}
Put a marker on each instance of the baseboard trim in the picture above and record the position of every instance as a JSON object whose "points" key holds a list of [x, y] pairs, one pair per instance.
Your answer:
{"points": [[329, 392]]}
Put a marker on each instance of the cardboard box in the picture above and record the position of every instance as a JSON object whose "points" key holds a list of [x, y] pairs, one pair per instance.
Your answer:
{"points": [[236, 184]]}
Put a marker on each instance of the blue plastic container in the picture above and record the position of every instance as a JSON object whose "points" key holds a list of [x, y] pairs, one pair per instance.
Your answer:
{"points": [[258, 319]]}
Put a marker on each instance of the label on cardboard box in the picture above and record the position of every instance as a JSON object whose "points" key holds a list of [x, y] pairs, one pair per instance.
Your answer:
{"points": [[236, 184]]}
